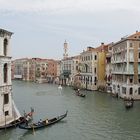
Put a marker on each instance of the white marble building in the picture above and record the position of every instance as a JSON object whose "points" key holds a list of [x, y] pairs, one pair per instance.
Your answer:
{"points": [[8, 112]]}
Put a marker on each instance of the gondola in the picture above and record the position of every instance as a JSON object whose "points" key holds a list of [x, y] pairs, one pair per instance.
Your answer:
{"points": [[81, 95], [44, 123], [115, 95], [21, 120], [128, 104], [77, 92]]}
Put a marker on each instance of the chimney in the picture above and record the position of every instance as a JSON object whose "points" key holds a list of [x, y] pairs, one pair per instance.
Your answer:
{"points": [[102, 43], [102, 46], [89, 48]]}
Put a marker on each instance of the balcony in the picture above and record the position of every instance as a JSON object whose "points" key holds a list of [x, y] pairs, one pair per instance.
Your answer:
{"points": [[66, 73]]}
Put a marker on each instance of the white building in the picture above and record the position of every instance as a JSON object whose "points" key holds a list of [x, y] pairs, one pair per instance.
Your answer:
{"points": [[126, 66], [8, 112], [88, 69], [65, 71], [68, 69]]}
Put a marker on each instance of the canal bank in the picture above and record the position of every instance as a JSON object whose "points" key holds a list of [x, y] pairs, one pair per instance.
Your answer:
{"points": [[97, 117]]}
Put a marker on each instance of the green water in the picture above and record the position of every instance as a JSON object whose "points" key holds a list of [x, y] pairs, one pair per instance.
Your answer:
{"points": [[96, 117]]}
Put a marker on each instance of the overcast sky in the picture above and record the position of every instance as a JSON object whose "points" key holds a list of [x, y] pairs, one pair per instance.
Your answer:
{"points": [[41, 26]]}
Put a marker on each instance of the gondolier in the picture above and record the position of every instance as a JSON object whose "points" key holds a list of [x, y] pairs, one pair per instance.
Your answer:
{"points": [[45, 123]]}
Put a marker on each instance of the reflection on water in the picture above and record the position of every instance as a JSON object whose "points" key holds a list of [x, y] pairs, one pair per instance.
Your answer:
{"points": [[96, 117]]}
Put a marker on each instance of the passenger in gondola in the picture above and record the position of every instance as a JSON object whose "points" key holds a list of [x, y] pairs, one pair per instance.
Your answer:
{"points": [[26, 122], [40, 121], [132, 100], [78, 91], [46, 121], [28, 118]]}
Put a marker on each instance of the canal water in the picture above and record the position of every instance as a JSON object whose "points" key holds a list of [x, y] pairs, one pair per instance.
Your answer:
{"points": [[96, 117]]}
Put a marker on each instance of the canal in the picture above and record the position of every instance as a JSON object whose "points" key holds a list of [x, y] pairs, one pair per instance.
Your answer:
{"points": [[96, 117]]}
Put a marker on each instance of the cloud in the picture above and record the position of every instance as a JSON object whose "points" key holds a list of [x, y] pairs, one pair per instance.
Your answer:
{"points": [[69, 6]]}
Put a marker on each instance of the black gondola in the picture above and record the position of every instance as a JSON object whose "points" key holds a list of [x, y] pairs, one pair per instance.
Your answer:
{"points": [[77, 92], [128, 104], [15, 123], [81, 95], [115, 95], [45, 123]]}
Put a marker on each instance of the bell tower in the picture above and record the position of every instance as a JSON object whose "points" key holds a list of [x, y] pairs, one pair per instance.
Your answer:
{"points": [[65, 55]]}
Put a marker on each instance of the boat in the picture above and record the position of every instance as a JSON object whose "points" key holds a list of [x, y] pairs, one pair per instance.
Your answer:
{"points": [[115, 95], [21, 120], [128, 104], [81, 95], [60, 87], [77, 92], [44, 123]]}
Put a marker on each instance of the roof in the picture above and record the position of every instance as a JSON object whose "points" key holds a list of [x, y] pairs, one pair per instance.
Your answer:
{"points": [[2, 31], [134, 36]]}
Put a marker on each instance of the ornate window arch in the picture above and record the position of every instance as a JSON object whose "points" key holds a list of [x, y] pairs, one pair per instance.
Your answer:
{"points": [[5, 44], [131, 91], [5, 73], [139, 90]]}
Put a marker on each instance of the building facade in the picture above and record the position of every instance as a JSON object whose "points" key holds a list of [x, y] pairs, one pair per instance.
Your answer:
{"points": [[88, 69], [108, 69], [51, 70], [7, 110], [126, 67], [35, 70], [65, 70]]}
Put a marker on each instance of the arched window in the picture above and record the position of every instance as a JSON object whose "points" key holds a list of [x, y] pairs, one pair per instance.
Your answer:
{"points": [[139, 90], [5, 71], [86, 66], [131, 91], [5, 43]]}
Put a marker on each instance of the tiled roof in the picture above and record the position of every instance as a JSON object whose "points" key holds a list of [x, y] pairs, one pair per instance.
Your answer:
{"points": [[134, 36]]}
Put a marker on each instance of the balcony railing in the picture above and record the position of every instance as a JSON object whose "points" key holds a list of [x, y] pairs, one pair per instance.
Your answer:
{"points": [[66, 72]]}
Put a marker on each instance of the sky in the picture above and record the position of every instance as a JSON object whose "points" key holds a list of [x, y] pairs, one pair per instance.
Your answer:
{"points": [[41, 27]]}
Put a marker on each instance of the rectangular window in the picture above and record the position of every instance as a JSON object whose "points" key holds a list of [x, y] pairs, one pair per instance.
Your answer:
{"points": [[95, 70], [131, 45], [131, 91], [123, 90], [6, 98], [95, 79], [131, 79], [91, 79], [6, 113], [139, 90], [95, 57], [110, 48], [139, 78]]}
